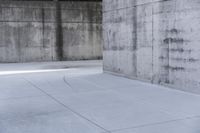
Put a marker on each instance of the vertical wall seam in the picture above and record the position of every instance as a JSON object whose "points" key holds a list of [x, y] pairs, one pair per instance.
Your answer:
{"points": [[59, 31], [43, 24], [135, 47], [152, 80]]}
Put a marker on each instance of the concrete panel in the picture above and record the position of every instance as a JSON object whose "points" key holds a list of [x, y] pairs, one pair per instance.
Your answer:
{"points": [[36, 31], [165, 37]]}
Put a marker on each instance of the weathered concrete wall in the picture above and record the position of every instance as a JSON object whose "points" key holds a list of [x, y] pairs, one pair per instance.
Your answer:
{"points": [[82, 30], [154, 40], [36, 31]]}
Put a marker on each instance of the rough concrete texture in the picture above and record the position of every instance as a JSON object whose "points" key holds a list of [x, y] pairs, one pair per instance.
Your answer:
{"points": [[46, 31], [153, 40], [76, 97]]}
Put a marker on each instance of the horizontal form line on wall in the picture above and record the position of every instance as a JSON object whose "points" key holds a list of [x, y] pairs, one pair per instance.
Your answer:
{"points": [[51, 8], [56, 0], [147, 3], [50, 22]]}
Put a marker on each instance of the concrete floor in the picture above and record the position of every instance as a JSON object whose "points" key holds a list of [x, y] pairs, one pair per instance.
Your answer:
{"points": [[75, 97]]}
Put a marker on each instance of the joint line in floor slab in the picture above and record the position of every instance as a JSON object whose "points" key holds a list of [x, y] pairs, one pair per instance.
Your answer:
{"points": [[65, 106], [157, 123]]}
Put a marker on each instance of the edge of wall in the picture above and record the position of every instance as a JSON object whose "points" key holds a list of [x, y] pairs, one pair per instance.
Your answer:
{"points": [[196, 91]]}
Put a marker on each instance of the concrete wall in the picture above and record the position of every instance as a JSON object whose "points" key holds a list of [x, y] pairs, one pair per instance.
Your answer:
{"points": [[153, 40], [36, 31]]}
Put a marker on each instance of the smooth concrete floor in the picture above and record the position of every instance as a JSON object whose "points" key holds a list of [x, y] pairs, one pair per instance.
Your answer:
{"points": [[76, 97]]}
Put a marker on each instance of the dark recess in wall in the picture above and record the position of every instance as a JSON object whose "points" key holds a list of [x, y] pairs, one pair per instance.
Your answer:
{"points": [[59, 32]]}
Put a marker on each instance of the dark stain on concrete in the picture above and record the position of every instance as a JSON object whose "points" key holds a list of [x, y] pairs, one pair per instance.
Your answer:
{"points": [[170, 40], [185, 59], [118, 20], [118, 48], [174, 68], [193, 60], [173, 31], [59, 31], [163, 58], [180, 50], [180, 59]]}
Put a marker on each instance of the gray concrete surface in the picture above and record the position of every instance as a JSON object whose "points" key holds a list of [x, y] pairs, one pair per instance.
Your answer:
{"points": [[46, 31], [153, 40], [76, 97]]}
